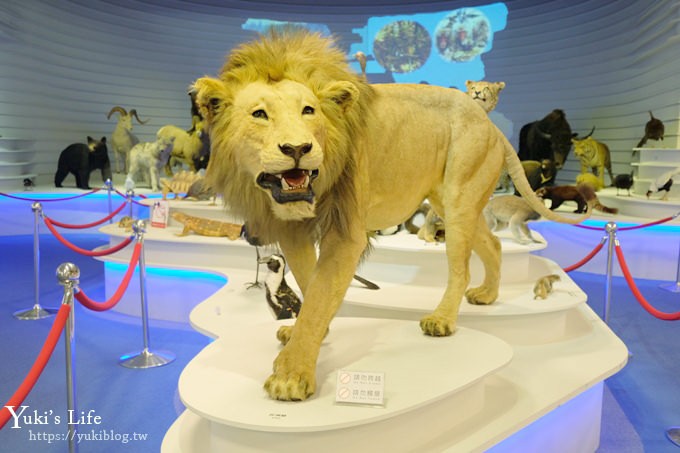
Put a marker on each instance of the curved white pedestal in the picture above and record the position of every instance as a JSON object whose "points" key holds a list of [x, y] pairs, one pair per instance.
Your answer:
{"points": [[224, 384], [548, 398]]}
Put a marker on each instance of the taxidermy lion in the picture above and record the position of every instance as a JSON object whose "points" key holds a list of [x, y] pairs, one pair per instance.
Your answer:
{"points": [[307, 152]]}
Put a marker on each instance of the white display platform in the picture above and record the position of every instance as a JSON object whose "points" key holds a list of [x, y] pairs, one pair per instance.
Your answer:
{"points": [[224, 384], [548, 398]]}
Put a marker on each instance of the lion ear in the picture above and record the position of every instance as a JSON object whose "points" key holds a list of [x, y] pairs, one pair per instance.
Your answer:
{"points": [[210, 97], [343, 93]]}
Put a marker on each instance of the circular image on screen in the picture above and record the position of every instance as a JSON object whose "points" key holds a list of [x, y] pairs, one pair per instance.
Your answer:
{"points": [[462, 35], [402, 46]]}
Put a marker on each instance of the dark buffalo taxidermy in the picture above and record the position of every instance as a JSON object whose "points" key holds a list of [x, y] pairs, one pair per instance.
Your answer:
{"points": [[548, 138], [81, 159]]}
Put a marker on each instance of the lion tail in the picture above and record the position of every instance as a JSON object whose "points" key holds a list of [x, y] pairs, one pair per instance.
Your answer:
{"points": [[521, 183]]}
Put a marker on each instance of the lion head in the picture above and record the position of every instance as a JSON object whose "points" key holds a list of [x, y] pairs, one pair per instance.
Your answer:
{"points": [[485, 93], [282, 125]]}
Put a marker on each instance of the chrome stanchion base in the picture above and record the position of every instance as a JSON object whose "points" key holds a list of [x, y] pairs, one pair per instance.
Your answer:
{"points": [[146, 359], [37, 312], [672, 287], [673, 434]]}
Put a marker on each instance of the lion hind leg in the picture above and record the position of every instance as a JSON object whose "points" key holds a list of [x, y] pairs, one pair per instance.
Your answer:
{"points": [[488, 248]]}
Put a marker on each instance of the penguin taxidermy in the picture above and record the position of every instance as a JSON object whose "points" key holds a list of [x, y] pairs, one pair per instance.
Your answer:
{"points": [[283, 301]]}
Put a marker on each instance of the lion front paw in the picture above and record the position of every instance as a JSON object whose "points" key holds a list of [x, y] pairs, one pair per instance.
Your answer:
{"points": [[284, 333], [290, 385], [481, 295], [437, 326]]}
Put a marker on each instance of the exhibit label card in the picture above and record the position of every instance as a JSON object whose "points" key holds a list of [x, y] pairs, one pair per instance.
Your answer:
{"points": [[360, 387], [160, 212]]}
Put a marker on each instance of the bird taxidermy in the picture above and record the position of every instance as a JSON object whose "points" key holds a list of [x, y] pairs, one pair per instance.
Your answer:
{"points": [[513, 211], [654, 130], [282, 300], [544, 286], [663, 183], [624, 181]]}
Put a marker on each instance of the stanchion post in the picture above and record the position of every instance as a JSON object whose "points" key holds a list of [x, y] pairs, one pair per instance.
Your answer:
{"points": [[37, 312], [129, 194], [610, 228], [145, 358], [68, 275], [109, 188], [675, 286]]}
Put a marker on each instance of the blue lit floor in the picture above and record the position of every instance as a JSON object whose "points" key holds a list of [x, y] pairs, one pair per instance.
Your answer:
{"points": [[641, 401]]}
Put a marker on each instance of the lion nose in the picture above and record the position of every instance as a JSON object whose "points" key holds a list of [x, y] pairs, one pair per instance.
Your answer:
{"points": [[295, 151]]}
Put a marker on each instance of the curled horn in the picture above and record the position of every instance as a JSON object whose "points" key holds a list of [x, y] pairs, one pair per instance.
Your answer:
{"points": [[118, 109], [133, 112], [576, 137]]}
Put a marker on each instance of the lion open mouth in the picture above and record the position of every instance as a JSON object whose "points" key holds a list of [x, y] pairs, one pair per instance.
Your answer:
{"points": [[291, 185]]}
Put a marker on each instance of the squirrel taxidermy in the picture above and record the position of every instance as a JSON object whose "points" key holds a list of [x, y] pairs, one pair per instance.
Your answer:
{"points": [[544, 286]]}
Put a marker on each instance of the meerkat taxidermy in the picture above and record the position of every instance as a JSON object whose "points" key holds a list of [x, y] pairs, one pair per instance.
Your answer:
{"points": [[544, 286], [283, 301], [514, 211]]}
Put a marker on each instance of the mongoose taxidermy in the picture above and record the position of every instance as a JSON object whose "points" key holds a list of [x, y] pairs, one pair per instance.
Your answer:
{"points": [[283, 301], [582, 194], [514, 211], [544, 286]]}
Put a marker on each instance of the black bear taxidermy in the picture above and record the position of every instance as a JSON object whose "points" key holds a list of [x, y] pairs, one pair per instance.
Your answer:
{"points": [[81, 159]]}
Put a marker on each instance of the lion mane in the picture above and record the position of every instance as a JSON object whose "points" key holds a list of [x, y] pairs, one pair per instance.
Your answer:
{"points": [[316, 63], [313, 158]]}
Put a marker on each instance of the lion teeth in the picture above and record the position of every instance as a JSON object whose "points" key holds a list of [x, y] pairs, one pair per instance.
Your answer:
{"points": [[285, 185]]}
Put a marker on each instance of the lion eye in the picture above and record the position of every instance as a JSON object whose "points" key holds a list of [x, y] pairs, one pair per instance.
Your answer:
{"points": [[260, 114], [307, 110]]}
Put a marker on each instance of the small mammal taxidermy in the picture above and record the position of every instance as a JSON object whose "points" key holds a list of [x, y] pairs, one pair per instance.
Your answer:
{"points": [[624, 181], [433, 229], [581, 194], [544, 286], [514, 211], [283, 301], [654, 129], [81, 159], [148, 158]]}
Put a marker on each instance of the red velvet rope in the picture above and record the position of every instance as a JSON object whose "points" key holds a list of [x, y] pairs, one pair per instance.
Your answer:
{"points": [[125, 196], [35, 200], [633, 227], [89, 225], [103, 306], [588, 257], [636, 292], [36, 370], [82, 251], [657, 222]]}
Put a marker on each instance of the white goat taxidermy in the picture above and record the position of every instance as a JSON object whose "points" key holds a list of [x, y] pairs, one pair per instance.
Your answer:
{"points": [[149, 158], [188, 146], [122, 138]]}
